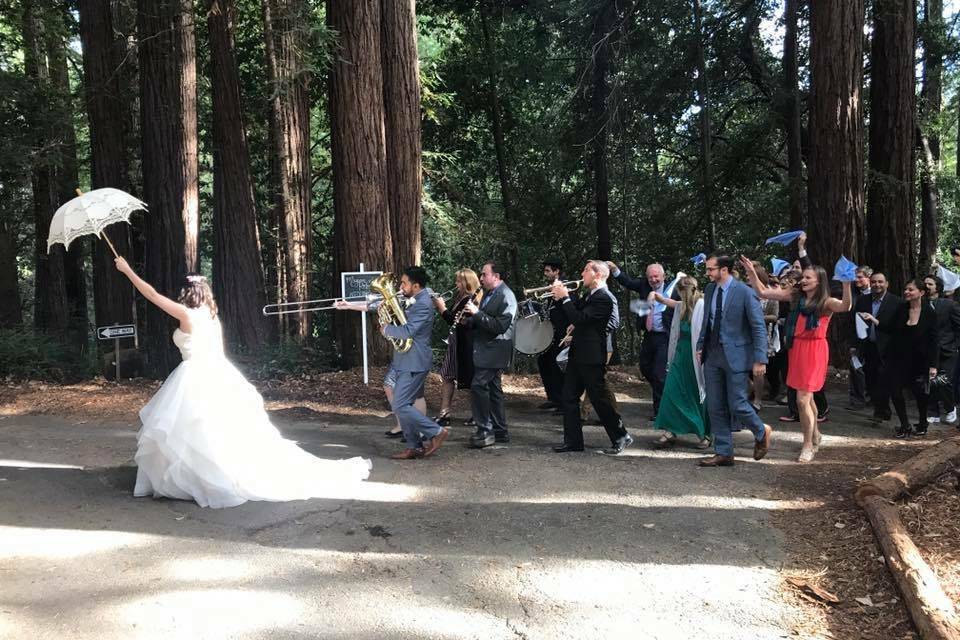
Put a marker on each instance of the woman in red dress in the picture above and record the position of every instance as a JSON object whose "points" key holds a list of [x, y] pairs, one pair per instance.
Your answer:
{"points": [[806, 336]]}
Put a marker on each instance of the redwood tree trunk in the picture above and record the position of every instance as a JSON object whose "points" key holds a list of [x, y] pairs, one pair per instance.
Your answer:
{"points": [[791, 114], [238, 275], [10, 313], [835, 187], [931, 101], [401, 95], [599, 117], [362, 230], [168, 83], [107, 114], [50, 297], [703, 97], [891, 217], [284, 22]]}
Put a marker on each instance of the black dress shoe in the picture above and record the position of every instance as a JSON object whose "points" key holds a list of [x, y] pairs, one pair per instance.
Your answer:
{"points": [[920, 430], [565, 448], [902, 432], [393, 434], [619, 446], [482, 439], [502, 438], [549, 404]]}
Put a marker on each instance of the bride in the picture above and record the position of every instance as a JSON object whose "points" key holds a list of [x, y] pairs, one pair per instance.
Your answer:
{"points": [[206, 436]]}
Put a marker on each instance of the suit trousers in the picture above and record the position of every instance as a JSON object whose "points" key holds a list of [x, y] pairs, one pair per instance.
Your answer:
{"points": [[727, 401], [876, 383], [414, 424], [551, 374], [858, 387], [653, 363], [942, 398], [592, 379], [486, 393]]}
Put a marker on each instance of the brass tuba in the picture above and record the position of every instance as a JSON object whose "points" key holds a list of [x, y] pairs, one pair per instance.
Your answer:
{"points": [[390, 310]]}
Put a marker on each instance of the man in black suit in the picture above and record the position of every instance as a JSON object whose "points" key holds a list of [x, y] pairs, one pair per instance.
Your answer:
{"points": [[942, 401], [493, 322], [654, 327], [857, 381], [587, 362], [550, 372], [882, 305]]}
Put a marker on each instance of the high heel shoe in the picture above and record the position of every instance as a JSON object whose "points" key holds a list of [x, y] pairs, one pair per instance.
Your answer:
{"points": [[806, 455], [443, 419]]}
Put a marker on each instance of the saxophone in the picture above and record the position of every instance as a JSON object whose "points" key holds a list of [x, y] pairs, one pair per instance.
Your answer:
{"points": [[390, 310]]}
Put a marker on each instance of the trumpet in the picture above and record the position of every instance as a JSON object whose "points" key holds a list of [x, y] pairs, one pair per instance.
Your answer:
{"points": [[542, 293], [446, 296], [321, 304]]}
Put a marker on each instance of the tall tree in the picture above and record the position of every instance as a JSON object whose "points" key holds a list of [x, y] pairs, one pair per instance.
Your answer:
{"points": [[107, 115], [51, 310], [401, 119], [791, 113], [362, 231], [238, 274], [891, 215], [285, 27], [706, 136], [168, 84], [10, 314], [835, 170], [928, 136], [601, 55]]}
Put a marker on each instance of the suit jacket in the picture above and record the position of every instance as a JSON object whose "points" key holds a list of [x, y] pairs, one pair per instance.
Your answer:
{"points": [[589, 316], [911, 350], [419, 327], [948, 326], [743, 334], [885, 315], [559, 319], [643, 288], [493, 327]]}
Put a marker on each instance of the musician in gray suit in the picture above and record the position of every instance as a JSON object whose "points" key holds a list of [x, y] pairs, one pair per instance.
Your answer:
{"points": [[493, 323], [413, 366]]}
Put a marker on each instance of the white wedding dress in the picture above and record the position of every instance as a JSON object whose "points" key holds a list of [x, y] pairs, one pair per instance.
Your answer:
{"points": [[207, 437]]}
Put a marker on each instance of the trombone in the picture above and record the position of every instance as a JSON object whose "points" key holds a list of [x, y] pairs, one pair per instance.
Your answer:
{"points": [[322, 304], [542, 293]]}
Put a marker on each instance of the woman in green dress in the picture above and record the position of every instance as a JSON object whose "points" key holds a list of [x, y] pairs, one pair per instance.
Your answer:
{"points": [[682, 409]]}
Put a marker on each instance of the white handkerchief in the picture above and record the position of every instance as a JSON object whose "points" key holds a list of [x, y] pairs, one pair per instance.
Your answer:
{"points": [[641, 307], [861, 327], [855, 363]]}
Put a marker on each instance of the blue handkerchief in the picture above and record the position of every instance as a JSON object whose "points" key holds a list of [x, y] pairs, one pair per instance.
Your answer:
{"points": [[844, 270], [700, 258], [779, 266], [784, 238]]}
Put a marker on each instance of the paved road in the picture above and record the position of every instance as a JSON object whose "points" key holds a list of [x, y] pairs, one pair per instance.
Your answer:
{"points": [[508, 542]]}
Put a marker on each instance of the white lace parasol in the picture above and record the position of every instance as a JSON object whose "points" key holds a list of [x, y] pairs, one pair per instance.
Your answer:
{"points": [[89, 214]]}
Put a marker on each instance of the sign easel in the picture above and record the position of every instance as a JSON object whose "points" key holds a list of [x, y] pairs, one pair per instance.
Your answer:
{"points": [[353, 285]]}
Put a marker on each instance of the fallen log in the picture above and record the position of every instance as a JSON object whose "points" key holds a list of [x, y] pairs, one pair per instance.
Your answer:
{"points": [[918, 471], [932, 611]]}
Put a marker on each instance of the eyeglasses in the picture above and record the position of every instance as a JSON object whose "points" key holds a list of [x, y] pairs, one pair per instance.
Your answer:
{"points": [[713, 268]]}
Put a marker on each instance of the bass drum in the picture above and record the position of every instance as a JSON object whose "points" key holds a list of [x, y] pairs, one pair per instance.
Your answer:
{"points": [[533, 335]]}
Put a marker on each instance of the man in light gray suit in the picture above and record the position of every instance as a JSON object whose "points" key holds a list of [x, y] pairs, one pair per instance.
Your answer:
{"points": [[732, 341], [493, 323], [413, 366]]}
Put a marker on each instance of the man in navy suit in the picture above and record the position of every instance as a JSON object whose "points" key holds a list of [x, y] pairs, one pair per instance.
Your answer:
{"points": [[413, 366], [733, 341]]}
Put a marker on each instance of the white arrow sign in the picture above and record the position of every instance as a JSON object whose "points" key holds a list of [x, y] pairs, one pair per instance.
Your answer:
{"points": [[119, 331]]}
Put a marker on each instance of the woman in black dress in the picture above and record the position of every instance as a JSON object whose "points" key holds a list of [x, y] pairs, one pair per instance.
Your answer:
{"points": [[457, 368], [912, 356]]}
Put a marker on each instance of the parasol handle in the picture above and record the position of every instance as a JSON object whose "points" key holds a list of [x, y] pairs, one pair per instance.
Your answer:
{"points": [[109, 244]]}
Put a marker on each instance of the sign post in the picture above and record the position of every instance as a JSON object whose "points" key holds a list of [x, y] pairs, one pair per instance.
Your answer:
{"points": [[116, 333], [354, 284]]}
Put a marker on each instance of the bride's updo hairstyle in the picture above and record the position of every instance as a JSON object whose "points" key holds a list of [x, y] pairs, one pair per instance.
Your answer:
{"points": [[196, 292]]}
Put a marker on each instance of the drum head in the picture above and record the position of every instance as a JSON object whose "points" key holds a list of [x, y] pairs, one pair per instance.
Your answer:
{"points": [[533, 335]]}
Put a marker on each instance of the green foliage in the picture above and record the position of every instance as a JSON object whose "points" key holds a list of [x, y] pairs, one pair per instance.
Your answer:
{"points": [[28, 355]]}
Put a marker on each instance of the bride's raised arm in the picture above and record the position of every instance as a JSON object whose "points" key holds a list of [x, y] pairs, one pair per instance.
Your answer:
{"points": [[168, 306]]}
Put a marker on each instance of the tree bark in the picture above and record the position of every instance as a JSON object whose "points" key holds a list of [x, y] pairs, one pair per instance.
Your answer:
{"points": [[500, 146], [362, 230], [599, 118], [835, 169], [791, 115], [238, 274], [10, 312], [290, 107], [703, 98], [931, 100], [401, 97], [167, 55], [891, 216], [106, 113], [51, 311]]}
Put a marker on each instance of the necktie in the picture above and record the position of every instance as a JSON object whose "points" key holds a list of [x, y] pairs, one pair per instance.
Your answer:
{"points": [[718, 316], [650, 317]]}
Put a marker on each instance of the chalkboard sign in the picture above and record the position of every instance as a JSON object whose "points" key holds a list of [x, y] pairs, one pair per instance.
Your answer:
{"points": [[356, 284]]}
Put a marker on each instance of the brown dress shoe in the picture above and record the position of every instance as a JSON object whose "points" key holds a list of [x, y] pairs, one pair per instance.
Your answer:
{"points": [[761, 446], [717, 461], [436, 442], [408, 454]]}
